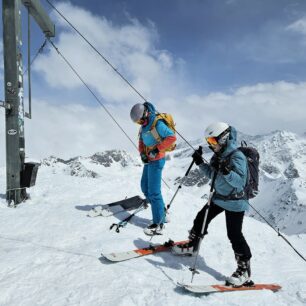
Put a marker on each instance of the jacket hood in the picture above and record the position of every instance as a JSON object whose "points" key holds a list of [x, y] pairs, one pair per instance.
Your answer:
{"points": [[152, 116], [231, 143]]}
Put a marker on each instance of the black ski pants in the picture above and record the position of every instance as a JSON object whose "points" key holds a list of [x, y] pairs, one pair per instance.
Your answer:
{"points": [[234, 222]]}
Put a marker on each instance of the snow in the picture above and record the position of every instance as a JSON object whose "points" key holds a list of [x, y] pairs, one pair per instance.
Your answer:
{"points": [[51, 251]]}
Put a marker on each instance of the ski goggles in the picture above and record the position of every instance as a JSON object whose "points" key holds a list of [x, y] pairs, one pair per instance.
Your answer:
{"points": [[212, 141]]}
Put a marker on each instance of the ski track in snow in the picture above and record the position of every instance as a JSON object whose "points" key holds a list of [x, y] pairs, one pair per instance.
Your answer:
{"points": [[50, 250]]}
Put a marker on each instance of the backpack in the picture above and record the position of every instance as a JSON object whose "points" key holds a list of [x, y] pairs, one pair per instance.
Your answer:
{"points": [[168, 120], [252, 156], [251, 187]]}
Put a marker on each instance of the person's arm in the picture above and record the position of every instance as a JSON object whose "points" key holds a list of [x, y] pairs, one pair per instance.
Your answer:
{"points": [[237, 174], [206, 169], [167, 136], [141, 146]]}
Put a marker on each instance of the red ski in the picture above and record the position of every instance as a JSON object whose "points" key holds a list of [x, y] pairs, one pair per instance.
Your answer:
{"points": [[152, 249], [207, 289]]}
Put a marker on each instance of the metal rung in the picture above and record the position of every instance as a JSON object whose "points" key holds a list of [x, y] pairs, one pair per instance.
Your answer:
{"points": [[5, 105]]}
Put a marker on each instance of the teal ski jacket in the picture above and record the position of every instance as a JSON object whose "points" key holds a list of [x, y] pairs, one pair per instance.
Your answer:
{"points": [[235, 181]]}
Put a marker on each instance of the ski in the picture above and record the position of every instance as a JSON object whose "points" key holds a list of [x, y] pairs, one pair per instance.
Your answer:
{"points": [[114, 208], [151, 249], [103, 211], [207, 289]]}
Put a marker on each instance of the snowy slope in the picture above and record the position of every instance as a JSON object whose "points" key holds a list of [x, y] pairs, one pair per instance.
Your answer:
{"points": [[50, 251]]}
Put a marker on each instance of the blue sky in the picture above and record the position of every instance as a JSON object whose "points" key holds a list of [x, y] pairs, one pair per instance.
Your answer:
{"points": [[211, 36], [238, 61], [224, 43]]}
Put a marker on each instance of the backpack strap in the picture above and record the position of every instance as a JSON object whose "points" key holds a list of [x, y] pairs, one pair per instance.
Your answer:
{"points": [[153, 130], [243, 143]]}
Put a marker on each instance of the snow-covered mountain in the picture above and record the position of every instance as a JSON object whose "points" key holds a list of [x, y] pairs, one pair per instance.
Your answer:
{"points": [[51, 251]]}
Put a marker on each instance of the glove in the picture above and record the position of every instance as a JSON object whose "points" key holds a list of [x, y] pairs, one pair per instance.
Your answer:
{"points": [[197, 157], [215, 163], [224, 168], [152, 154], [144, 158]]}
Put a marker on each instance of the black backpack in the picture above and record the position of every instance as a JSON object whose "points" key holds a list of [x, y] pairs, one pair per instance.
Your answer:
{"points": [[252, 155], [251, 187]]}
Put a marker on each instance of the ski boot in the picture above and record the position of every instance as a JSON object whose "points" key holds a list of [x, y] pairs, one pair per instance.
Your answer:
{"points": [[241, 277], [154, 229], [189, 248]]}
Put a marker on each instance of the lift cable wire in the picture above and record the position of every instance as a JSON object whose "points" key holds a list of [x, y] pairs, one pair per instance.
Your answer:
{"points": [[94, 95], [39, 51], [112, 66], [278, 233]]}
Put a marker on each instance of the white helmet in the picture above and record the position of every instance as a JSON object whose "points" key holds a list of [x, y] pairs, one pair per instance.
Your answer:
{"points": [[219, 131], [137, 112]]}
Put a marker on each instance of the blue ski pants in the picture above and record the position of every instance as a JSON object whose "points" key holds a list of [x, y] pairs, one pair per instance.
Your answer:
{"points": [[151, 187]]}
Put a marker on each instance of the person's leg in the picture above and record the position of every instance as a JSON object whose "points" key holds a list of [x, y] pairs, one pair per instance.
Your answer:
{"points": [[214, 210], [154, 190], [191, 247], [234, 221], [144, 181]]}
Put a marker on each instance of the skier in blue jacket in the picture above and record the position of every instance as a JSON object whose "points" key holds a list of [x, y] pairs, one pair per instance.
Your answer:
{"points": [[152, 152], [229, 196]]}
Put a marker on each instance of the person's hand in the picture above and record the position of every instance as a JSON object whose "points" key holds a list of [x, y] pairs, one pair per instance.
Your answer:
{"points": [[197, 156], [215, 163], [144, 158], [152, 154], [225, 167]]}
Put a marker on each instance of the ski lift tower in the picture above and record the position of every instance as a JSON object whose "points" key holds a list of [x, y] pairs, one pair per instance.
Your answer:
{"points": [[19, 175]]}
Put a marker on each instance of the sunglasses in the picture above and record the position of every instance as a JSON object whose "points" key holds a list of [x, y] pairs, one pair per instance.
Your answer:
{"points": [[212, 141]]}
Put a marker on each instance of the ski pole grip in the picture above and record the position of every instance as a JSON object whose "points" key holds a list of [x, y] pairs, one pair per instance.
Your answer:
{"points": [[199, 151]]}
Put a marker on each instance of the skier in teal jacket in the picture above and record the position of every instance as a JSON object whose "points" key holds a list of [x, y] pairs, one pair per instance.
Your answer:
{"points": [[229, 196], [152, 153]]}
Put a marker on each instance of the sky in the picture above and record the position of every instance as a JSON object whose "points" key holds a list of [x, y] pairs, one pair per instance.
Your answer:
{"points": [[238, 61]]}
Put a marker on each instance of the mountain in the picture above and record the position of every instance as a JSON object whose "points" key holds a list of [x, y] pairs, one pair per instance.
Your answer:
{"points": [[89, 166]]}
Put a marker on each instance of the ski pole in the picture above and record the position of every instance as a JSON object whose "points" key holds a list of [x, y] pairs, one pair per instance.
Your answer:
{"points": [[183, 180], [124, 222], [211, 193]]}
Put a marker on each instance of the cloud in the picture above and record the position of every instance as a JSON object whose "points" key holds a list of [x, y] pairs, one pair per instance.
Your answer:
{"points": [[299, 26], [74, 129], [68, 129], [252, 109], [131, 48]]}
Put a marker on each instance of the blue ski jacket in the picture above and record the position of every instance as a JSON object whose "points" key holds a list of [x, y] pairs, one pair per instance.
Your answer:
{"points": [[235, 181], [147, 141]]}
